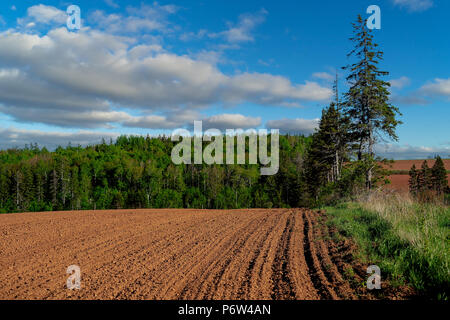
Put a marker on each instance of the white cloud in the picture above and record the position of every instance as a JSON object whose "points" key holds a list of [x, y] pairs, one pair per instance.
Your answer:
{"points": [[43, 14], [212, 57], [440, 87], [171, 120], [231, 121], [116, 23], [242, 30], [296, 126], [112, 4], [189, 36], [147, 18], [410, 99], [45, 76], [152, 122], [186, 120], [400, 83], [324, 76], [414, 5], [422, 96], [270, 89], [408, 152], [12, 137], [153, 11]]}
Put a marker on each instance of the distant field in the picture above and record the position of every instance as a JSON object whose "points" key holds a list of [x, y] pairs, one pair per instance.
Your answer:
{"points": [[399, 179], [400, 182], [406, 165]]}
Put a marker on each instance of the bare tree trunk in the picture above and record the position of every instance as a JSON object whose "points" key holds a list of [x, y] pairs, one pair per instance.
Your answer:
{"points": [[370, 170], [338, 173]]}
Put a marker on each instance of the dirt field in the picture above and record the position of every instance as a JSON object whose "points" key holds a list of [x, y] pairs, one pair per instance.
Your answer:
{"points": [[400, 182], [172, 254], [407, 164]]}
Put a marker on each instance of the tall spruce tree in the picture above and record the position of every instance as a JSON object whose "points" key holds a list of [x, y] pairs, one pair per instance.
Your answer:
{"points": [[367, 101]]}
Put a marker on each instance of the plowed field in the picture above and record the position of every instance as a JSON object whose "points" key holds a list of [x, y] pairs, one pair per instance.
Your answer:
{"points": [[171, 254]]}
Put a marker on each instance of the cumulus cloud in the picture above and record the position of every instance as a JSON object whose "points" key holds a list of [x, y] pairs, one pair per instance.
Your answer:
{"points": [[186, 120], [172, 120], [270, 89], [12, 137], [242, 30], [408, 152], [116, 23], [439, 87], [42, 77], [148, 18], [152, 122], [69, 119], [422, 96], [231, 121], [400, 83], [44, 15], [410, 99], [414, 5], [294, 126]]}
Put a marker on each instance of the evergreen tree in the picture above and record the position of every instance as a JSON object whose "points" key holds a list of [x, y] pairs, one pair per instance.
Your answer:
{"points": [[439, 176], [424, 178], [367, 101], [413, 180], [328, 149]]}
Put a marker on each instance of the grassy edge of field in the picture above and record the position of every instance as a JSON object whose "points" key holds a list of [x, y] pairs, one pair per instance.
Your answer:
{"points": [[409, 241]]}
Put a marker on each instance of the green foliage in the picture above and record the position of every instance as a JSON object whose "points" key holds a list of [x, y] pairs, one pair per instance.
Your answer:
{"points": [[439, 177], [137, 172], [367, 101], [429, 184], [410, 248]]}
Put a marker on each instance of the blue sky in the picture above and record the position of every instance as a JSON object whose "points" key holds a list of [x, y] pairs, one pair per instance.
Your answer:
{"points": [[139, 67]]}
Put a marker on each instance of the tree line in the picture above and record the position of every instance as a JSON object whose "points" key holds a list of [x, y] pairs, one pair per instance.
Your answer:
{"points": [[335, 162], [428, 183], [137, 172]]}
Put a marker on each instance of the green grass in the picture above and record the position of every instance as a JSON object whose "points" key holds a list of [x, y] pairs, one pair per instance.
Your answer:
{"points": [[407, 240]]}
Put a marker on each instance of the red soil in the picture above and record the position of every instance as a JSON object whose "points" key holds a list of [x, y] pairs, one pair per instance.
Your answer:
{"points": [[407, 164], [400, 182], [175, 254]]}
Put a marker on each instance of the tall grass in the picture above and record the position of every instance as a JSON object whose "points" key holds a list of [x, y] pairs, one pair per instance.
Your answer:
{"points": [[408, 240]]}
